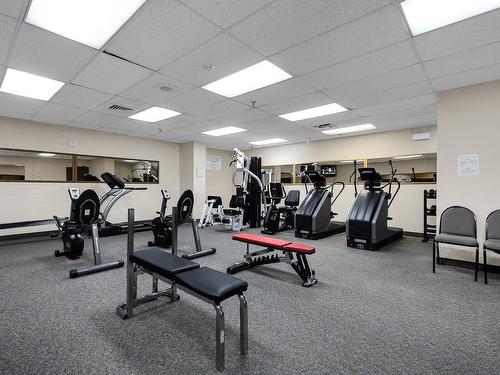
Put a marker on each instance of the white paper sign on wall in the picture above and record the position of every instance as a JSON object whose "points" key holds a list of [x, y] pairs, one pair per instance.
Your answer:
{"points": [[468, 165], [214, 162]]}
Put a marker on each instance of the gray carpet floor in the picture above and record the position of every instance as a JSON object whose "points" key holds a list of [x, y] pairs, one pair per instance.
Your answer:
{"points": [[379, 312]]}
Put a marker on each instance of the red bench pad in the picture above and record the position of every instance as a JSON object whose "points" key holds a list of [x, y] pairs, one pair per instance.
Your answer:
{"points": [[255, 239], [300, 248]]}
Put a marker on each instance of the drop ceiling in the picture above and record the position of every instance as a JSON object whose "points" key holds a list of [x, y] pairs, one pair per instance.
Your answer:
{"points": [[357, 53]]}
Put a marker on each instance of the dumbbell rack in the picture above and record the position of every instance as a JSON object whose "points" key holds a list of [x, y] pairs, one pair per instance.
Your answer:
{"points": [[429, 229]]}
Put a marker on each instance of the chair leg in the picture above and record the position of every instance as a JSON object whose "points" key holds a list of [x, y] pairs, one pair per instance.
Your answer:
{"points": [[433, 256], [438, 256], [485, 264], [243, 325], [477, 264]]}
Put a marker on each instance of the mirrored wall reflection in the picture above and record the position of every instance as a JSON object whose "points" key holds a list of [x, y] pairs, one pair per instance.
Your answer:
{"points": [[90, 168], [35, 166]]}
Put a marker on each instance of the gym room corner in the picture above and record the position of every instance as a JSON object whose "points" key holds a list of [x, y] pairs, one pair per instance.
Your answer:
{"points": [[249, 187]]}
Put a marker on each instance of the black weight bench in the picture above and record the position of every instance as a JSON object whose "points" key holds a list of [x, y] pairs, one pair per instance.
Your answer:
{"points": [[204, 283]]}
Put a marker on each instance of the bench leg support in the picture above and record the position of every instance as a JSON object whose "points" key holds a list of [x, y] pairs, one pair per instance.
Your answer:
{"points": [[220, 347], [243, 325]]}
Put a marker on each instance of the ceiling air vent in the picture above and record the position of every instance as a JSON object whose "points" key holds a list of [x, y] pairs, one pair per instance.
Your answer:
{"points": [[118, 107], [325, 126]]}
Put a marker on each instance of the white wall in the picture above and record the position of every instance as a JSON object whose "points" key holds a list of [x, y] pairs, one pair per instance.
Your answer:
{"points": [[220, 183], [22, 201], [193, 174], [469, 123], [376, 145]]}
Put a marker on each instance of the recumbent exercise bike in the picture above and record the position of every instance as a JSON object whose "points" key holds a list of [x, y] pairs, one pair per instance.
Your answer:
{"points": [[279, 219]]}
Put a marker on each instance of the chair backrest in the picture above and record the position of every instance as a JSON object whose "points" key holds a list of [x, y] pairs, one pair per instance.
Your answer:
{"points": [[458, 220], [493, 225], [292, 198], [217, 199], [86, 208], [236, 201]]}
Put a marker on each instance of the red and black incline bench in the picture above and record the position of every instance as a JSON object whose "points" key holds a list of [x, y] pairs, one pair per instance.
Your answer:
{"points": [[287, 248], [204, 283]]}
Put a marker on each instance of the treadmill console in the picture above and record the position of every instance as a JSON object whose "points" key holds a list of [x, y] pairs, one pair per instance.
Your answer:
{"points": [[74, 193]]}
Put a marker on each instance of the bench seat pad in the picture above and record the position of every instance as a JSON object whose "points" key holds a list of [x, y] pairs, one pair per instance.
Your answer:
{"points": [[162, 263], [297, 247], [454, 239], [255, 239], [212, 284], [493, 245]]}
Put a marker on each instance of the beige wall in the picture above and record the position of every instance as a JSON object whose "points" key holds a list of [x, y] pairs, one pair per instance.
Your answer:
{"points": [[347, 148], [220, 182], [469, 123], [193, 174], [32, 201]]}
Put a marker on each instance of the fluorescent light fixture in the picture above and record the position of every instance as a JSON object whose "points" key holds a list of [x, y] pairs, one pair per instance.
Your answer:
{"points": [[224, 131], [427, 15], [29, 85], [252, 78], [352, 161], [130, 161], [154, 114], [90, 22], [268, 141], [349, 129], [407, 157], [322, 110], [46, 154]]}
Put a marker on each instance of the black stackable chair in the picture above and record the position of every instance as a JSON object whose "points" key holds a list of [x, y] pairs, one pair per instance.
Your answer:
{"points": [[492, 240], [458, 226]]}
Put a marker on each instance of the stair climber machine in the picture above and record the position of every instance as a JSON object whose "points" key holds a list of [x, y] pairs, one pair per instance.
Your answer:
{"points": [[245, 206], [117, 190], [163, 224], [367, 220], [279, 219], [313, 218]]}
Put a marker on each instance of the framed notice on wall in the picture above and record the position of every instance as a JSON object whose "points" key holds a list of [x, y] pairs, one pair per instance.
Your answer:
{"points": [[214, 162], [468, 165]]}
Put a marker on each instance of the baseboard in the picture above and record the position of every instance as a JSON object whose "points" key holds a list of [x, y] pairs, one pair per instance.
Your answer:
{"points": [[413, 234], [468, 265], [27, 237]]}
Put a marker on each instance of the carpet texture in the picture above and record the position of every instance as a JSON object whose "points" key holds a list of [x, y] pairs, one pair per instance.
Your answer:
{"points": [[379, 312]]}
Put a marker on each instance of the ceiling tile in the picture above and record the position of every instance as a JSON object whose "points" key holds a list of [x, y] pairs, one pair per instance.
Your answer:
{"points": [[403, 114], [412, 121], [60, 112], [161, 33], [50, 120], [127, 124], [47, 54], [193, 99], [334, 118], [148, 90], [378, 82], [12, 8], [20, 104], [298, 103], [12, 114], [224, 13], [7, 29], [380, 61], [226, 108], [399, 105], [277, 92], [471, 77], [376, 30], [247, 115], [110, 74], [266, 123], [463, 61], [285, 23], [181, 121], [460, 36], [79, 96], [225, 52], [387, 96], [97, 119], [80, 125]]}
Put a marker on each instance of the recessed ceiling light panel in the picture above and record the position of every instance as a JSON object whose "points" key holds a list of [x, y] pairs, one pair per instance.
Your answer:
{"points": [[268, 141], [252, 78], [407, 157], [90, 22], [224, 131], [29, 85], [349, 129], [46, 154], [426, 15], [154, 114], [322, 110]]}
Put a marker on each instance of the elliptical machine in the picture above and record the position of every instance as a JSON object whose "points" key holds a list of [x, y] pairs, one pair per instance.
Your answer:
{"points": [[313, 219], [279, 219], [367, 220], [84, 219], [162, 225]]}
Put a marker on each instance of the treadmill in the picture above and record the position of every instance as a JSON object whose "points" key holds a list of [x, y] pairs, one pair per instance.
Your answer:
{"points": [[117, 190], [366, 226], [313, 218]]}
